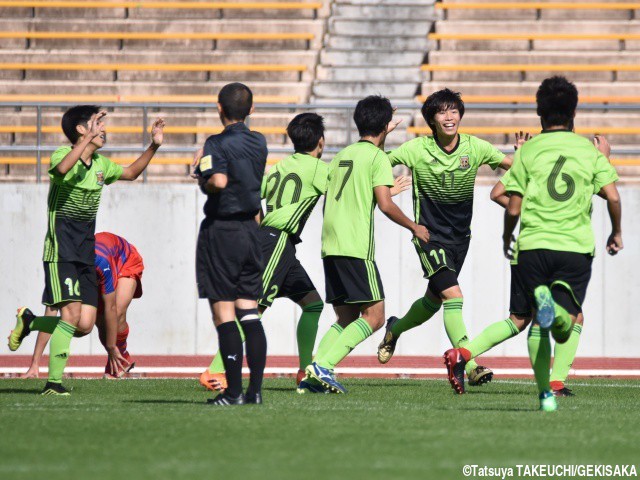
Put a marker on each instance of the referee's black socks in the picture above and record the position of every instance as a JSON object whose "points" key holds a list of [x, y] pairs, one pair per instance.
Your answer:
{"points": [[256, 344], [231, 350]]}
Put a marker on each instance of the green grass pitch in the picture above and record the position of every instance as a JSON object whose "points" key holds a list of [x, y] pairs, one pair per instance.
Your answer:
{"points": [[383, 429]]}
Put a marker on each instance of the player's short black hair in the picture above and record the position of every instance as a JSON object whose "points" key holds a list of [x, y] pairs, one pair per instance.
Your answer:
{"points": [[557, 100], [372, 115], [439, 101], [305, 131], [236, 100], [78, 115]]}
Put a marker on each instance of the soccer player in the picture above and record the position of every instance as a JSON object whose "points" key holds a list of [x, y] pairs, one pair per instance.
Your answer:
{"points": [[77, 175], [119, 269], [444, 168], [360, 177], [229, 261], [551, 185], [292, 188], [563, 353]]}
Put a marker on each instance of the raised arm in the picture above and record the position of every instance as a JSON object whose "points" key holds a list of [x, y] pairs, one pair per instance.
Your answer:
{"points": [[393, 212], [134, 170], [614, 206], [95, 127]]}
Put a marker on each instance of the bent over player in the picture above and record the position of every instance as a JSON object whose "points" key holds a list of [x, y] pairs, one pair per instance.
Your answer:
{"points": [[119, 268], [77, 174]]}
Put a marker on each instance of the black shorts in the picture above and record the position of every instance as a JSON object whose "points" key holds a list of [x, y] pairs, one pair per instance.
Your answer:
{"points": [[284, 275], [441, 262], [566, 273], [70, 282], [352, 280], [229, 260]]}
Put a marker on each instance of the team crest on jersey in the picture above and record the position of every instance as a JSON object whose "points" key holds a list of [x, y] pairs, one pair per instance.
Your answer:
{"points": [[464, 162], [100, 177]]}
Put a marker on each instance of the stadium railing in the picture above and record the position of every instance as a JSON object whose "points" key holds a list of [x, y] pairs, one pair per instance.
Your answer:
{"points": [[165, 5], [538, 6], [158, 35], [517, 99], [181, 155], [171, 99]]}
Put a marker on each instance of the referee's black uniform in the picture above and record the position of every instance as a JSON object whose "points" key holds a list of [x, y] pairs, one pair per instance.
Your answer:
{"points": [[229, 262]]}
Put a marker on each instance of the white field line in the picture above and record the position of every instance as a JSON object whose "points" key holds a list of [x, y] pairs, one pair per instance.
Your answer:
{"points": [[345, 370]]}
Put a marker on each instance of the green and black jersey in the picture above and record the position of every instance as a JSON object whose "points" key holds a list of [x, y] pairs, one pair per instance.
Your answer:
{"points": [[73, 204], [291, 189], [443, 182], [347, 229]]}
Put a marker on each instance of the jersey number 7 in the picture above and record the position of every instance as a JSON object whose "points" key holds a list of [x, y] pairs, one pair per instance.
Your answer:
{"points": [[348, 164]]}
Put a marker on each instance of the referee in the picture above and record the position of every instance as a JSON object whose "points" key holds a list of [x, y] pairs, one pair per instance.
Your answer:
{"points": [[229, 261]]}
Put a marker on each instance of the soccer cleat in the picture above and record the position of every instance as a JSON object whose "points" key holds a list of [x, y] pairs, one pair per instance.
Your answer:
{"points": [[455, 369], [326, 377], [55, 389], [300, 376], [563, 392], [479, 376], [311, 385], [225, 400], [548, 402], [216, 382], [24, 318], [388, 344], [253, 398], [546, 312]]}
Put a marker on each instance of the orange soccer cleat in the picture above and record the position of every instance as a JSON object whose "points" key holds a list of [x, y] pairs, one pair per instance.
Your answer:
{"points": [[216, 382], [301, 376]]}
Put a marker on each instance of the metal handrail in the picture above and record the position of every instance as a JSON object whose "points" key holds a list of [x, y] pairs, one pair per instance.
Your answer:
{"points": [[345, 109]]}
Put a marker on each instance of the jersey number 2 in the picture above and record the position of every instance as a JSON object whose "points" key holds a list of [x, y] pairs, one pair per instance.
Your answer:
{"points": [[568, 179]]}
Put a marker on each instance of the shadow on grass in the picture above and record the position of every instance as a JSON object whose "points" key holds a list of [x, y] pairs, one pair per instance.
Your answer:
{"points": [[486, 409], [29, 391], [162, 401], [280, 389]]}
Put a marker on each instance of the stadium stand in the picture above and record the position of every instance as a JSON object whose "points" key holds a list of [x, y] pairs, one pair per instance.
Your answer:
{"points": [[151, 52], [499, 51]]}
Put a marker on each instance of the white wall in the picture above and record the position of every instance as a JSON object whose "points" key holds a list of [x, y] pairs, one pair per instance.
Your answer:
{"points": [[162, 221]]}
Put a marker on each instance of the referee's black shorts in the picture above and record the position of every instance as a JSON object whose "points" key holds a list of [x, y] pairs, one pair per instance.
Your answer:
{"points": [[229, 261], [566, 273]]}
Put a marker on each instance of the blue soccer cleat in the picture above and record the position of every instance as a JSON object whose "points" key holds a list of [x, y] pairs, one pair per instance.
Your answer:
{"points": [[309, 385], [326, 377], [546, 311]]}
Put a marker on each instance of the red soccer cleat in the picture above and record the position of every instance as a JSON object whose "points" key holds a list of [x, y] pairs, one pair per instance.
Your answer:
{"points": [[455, 369]]}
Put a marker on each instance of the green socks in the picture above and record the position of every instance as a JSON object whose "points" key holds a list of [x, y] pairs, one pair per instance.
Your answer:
{"points": [[355, 333], [540, 356], [491, 336], [45, 324], [217, 365], [329, 339], [564, 354], [59, 350], [307, 331], [456, 330], [421, 311]]}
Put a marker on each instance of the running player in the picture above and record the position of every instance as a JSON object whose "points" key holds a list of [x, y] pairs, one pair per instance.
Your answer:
{"points": [[119, 269], [360, 177], [563, 353], [444, 168], [551, 186], [77, 175]]}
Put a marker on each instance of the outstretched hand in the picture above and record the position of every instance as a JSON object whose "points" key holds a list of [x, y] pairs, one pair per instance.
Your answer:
{"points": [[400, 184], [602, 144], [521, 137], [157, 132], [117, 363], [96, 125]]}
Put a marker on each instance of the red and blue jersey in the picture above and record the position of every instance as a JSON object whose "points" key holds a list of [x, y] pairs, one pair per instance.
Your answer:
{"points": [[112, 252]]}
